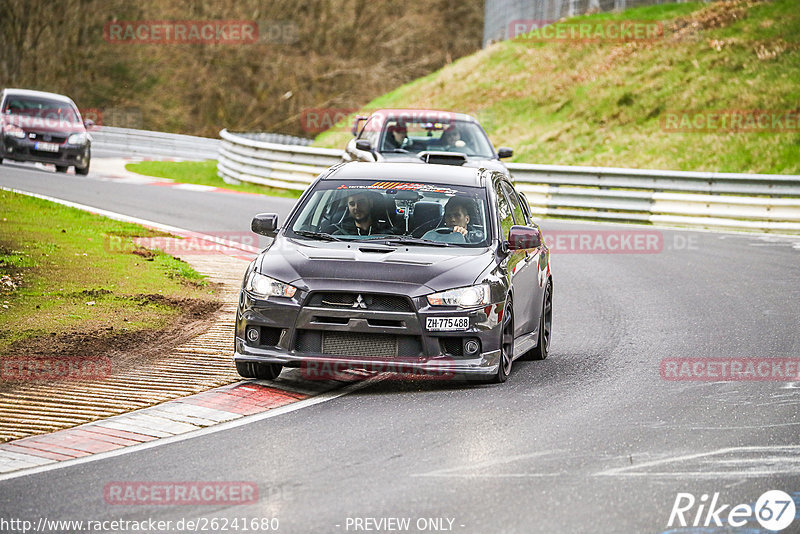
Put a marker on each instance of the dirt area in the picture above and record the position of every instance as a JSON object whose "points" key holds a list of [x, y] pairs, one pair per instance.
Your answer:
{"points": [[126, 350]]}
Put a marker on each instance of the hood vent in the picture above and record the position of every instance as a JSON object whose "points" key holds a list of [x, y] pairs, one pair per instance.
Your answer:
{"points": [[443, 158]]}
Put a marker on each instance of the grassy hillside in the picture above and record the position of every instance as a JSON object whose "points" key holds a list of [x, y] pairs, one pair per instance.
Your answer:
{"points": [[606, 103]]}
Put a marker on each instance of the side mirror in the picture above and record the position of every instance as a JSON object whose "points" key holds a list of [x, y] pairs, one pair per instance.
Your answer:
{"points": [[356, 123], [265, 224], [505, 152], [523, 237], [88, 124], [363, 144]]}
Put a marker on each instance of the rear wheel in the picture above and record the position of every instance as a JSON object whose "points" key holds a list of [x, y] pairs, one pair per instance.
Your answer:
{"points": [[262, 371], [61, 168], [545, 326]]}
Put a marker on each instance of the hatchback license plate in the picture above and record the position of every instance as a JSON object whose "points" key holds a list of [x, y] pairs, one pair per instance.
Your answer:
{"points": [[46, 147], [447, 323]]}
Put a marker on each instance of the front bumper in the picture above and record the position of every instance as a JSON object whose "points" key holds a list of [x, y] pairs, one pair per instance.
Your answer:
{"points": [[25, 150], [300, 332]]}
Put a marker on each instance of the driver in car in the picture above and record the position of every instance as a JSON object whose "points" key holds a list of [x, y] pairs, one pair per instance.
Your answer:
{"points": [[457, 216], [397, 135]]}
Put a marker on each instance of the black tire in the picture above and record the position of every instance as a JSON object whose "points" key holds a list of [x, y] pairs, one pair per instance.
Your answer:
{"points": [[506, 345], [82, 171], [262, 371], [268, 371], [245, 369], [61, 168], [545, 326]]}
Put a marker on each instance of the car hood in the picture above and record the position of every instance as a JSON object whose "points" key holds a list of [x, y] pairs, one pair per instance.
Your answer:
{"points": [[472, 161], [312, 265]]}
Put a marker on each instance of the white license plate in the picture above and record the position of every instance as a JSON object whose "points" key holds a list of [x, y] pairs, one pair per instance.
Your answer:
{"points": [[447, 323], [46, 147]]}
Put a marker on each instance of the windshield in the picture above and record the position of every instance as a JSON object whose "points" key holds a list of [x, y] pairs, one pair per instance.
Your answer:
{"points": [[40, 108], [394, 211], [420, 135]]}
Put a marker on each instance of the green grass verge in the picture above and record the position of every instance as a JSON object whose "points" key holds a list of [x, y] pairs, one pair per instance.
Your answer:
{"points": [[602, 103], [65, 271], [202, 173]]}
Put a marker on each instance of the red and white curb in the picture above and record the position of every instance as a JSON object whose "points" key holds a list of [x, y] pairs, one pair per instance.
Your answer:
{"points": [[187, 417]]}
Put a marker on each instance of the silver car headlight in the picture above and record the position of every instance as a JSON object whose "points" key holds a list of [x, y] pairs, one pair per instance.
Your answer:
{"points": [[77, 139], [463, 297], [13, 130], [266, 287]]}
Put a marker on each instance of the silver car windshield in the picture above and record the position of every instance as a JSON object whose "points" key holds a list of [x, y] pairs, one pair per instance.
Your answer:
{"points": [[420, 135], [394, 210]]}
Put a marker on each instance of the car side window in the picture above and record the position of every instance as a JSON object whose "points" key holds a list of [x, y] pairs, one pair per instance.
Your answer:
{"points": [[526, 208], [370, 132], [513, 200], [504, 211]]}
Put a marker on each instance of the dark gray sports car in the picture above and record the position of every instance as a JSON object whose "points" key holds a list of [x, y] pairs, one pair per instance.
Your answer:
{"points": [[398, 267]]}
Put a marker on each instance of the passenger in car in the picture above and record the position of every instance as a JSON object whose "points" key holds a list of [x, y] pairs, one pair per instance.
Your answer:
{"points": [[361, 217]]}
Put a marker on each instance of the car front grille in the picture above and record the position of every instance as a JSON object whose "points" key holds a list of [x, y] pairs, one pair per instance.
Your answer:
{"points": [[357, 344], [44, 154], [368, 301], [47, 138]]}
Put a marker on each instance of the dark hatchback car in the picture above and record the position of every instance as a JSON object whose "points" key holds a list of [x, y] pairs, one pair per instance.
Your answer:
{"points": [[423, 136], [438, 268], [45, 128]]}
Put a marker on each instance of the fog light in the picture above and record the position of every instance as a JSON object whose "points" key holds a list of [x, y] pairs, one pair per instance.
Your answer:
{"points": [[253, 334], [471, 346]]}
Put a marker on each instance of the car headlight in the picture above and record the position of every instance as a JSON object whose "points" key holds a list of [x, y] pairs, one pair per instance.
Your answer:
{"points": [[464, 297], [77, 139], [265, 287], [14, 131]]}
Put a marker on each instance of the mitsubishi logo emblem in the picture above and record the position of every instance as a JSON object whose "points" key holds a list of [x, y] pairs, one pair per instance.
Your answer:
{"points": [[359, 303]]}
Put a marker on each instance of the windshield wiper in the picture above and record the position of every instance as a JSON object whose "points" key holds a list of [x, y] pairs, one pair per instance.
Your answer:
{"points": [[397, 151], [406, 240], [317, 235]]}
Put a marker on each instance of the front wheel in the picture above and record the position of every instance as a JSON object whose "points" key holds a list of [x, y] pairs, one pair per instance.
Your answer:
{"points": [[506, 345], [61, 168], [262, 371], [84, 170]]}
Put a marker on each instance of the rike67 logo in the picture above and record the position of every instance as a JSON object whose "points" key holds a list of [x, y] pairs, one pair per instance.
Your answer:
{"points": [[774, 510]]}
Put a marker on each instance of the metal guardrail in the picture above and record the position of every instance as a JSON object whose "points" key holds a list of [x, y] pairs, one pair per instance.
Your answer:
{"points": [[145, 143], [763, 202]]}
